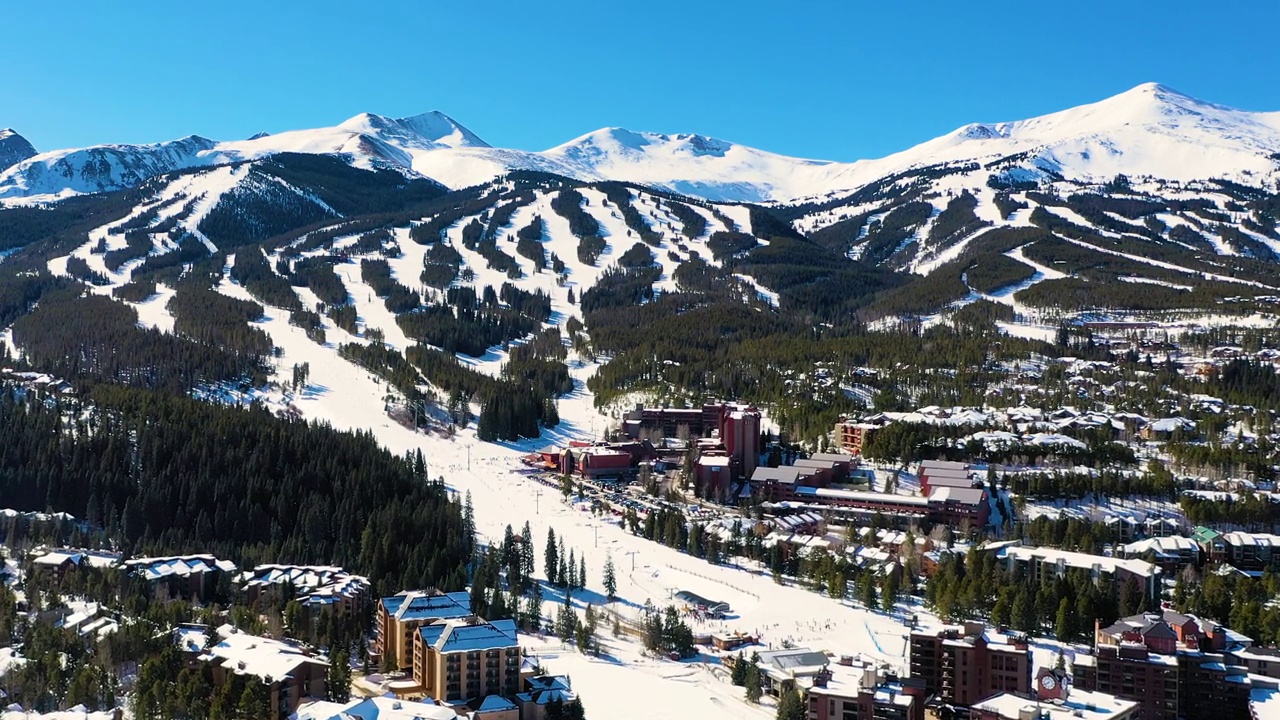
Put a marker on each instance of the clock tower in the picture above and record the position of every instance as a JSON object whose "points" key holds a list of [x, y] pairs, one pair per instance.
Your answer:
{"points": [[1051, 685]]}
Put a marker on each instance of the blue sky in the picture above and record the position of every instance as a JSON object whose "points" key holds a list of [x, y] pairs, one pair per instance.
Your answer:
{"points": [[834, 80]]}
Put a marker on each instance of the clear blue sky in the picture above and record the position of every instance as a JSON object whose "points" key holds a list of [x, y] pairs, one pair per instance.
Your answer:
{"points": [[834, 80]]}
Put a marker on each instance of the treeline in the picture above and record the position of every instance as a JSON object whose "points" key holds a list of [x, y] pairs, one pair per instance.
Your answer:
{"points": [[258, 208], [96, 338], [146, 467], [977, 585], [440, 265], [316, 274], [252, 271], [692, 222], [376, 273], [956, 220], [886, 235], [909, 442], [1156, 482], [137, 245], [724, 244], [620, 196], [1243, 603], [1255, 458], [568, 204], [211, 318], [1258, 513], [471, 324], [994, 272], [529, 243]]}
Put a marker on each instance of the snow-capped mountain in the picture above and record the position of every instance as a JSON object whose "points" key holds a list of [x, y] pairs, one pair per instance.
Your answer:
{"points": [[692, 165], [100, 168], [1150, 130], [13, 148], [365, 140]]}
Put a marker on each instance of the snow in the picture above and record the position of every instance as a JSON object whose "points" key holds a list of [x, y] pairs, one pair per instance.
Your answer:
{"points": [[350, 398], [1165, 265], [152, 311], [1150, 130]]}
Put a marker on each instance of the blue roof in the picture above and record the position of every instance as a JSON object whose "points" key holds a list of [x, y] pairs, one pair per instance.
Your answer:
{"points": [[456, 637], [431, 633], [494, 703], [429, 607]]}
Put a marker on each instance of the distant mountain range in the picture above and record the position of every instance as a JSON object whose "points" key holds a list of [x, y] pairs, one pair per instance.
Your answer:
{"points": [[1148, 200], [1151, 130]]}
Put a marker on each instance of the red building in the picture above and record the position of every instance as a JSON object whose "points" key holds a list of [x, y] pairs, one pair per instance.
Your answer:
{"points": [[941, 473], [965, 665], [597, 462], [853, 436], [740, 434]]}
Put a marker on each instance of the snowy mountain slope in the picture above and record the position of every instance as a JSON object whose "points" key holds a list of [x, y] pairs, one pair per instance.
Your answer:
{"points": [[13, 148], [692, 165], [368, 141], [101, 168], [1149, 131]]}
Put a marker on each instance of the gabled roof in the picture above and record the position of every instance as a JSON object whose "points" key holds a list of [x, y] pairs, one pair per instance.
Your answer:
{"points": [[428, 606], [452, 636], [494, 704], [263, 657]]}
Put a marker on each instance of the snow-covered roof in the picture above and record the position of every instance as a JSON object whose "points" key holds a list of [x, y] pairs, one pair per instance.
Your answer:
{"points": [[856, 495], [1242, 539], [262, 657], [156, 568], [1171, 424], [411, 605], [90, 558], [1078, 560], [786, 664], [374, 708], [79, 712], [1079, 704], [452, 636], [1162, 546]]}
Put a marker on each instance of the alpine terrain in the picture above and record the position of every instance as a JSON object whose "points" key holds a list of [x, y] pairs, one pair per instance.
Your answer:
{"points": [[464, 274]]}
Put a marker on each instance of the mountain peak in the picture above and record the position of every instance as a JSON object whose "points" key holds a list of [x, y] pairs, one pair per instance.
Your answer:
{"points": [[13, 148], [428, 130]]}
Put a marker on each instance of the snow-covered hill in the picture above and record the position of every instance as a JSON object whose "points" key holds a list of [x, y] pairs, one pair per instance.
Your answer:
{"points": [[1149, 131]]}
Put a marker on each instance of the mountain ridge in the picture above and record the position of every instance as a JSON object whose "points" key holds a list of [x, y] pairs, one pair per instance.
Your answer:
{"points": [[1150, 130]]}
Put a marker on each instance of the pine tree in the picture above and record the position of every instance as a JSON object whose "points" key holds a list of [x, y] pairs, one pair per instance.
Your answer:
{"points": [[567, 622], [552, 559], [890, 598], [582, 571], [738, 676], [498, 606], [572, 581], [867, 591], [790, 707], [526, 551], [535, 607], [339, 676], [610, 580], [1062, 625], [479, 595], [468, 517], [751, 681]]}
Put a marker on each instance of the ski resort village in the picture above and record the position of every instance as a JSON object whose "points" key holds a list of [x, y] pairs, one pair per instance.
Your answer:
{"points": [[379, 421]]}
